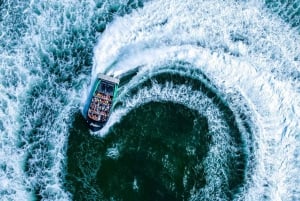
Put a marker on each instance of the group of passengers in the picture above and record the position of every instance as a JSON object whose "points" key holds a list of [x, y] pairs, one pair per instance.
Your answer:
{"points": [[104, 96], [99, 108]]}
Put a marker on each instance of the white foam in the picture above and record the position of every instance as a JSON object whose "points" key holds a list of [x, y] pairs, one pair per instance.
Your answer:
{"points": [[260, 67], [13, 82], [40, 23], [113, 152], [195, 100], [241, 47]]}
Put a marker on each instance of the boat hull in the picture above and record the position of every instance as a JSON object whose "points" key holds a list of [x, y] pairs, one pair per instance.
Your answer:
{"points": [[100, 101]]}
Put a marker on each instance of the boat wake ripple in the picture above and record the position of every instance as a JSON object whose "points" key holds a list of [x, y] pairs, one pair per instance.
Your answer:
{"points": [[246, 57]]}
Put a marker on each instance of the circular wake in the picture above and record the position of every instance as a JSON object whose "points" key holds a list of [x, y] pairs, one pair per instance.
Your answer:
{"points": [[234, 65], [203, 146], [208, 106]]}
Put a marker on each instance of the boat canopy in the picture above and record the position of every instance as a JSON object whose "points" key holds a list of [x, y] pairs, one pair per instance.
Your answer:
{"points": [[108, 78]]}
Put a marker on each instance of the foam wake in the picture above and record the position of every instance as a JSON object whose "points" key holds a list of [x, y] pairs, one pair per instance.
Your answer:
{"points": [[250, 57]]}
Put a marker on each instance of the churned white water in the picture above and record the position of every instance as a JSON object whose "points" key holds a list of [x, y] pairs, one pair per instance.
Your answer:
{"points": [[241, 46]]}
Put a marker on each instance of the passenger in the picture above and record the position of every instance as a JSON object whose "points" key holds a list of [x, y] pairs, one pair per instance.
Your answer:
{"points": [[90, 114], [102, 118]]}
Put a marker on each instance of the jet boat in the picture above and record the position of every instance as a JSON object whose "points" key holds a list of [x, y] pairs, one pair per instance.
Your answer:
{"points": [[100, 101]]}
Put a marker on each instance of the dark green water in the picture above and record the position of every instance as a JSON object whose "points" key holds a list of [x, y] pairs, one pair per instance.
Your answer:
{"points": [[158, 151], [152, 143], [155, 152]]}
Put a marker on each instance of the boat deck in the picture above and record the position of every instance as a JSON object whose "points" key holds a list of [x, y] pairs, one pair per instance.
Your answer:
{"points": [[100, 107]]}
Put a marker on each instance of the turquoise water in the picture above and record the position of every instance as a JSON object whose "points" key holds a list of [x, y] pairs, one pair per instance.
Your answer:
{"points": [[208, 106]]}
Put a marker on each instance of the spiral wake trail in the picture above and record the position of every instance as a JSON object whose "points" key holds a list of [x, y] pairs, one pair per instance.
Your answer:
{"points": [[240, 49], [208, 106]]}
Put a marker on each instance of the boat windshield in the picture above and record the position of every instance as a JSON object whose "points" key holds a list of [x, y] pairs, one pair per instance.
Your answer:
{"points": [[106, 88]]}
